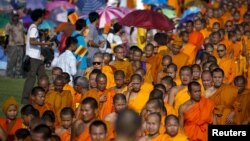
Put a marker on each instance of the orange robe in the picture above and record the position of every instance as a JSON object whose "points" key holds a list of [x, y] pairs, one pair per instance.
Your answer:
{"points": [[68, 87], [248, 77], [125, 66], [170, 109], [179, 137], [176, 5], [241, 66], [191, 51], [65, 136], [58, 101], [181, 97], [12, 129], [242, 106], [155, 62], [42, 109], [237, 49], [205, 32], [197, 118], [160, 137], [181, 59], [224, 99], [229, 67], [162, 50]]}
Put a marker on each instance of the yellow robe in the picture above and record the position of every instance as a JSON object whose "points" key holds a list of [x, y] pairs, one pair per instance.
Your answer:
{"points": [[68, 87], [181, 59], [155, 62], [125, 66], [191, 51], [229, 67], [181, 97], [179, 137]]}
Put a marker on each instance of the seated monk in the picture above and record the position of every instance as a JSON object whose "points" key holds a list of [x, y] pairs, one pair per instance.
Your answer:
{"points": [[58, 98], [38, 100], [196, 110], [107, 70], [173, 132], [223, 98], [66, 117], [242, 104], [98, 131], [80, 128], [153, 60], [28, 113], [120, 63], [179, 94], [120, 103], [153, 123], [137, 95], [10, 124], [120, 86], [166, 60]]}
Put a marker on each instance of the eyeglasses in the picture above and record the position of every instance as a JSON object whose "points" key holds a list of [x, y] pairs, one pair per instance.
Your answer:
{"points": [[96, 63], [220, 50]]}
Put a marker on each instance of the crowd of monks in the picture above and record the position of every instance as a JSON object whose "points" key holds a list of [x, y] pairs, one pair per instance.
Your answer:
{"points": [[177, 85]]}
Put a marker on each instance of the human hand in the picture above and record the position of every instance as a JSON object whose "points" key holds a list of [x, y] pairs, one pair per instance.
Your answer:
{"points": [[103, 98]]}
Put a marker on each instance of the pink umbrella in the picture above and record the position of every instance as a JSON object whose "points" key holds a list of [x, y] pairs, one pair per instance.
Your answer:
{"points": [[125, 10], [52, 5], [107, 14]]}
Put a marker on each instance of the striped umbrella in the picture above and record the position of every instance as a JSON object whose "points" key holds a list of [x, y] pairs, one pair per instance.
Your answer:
{"points": [[87, 6], [52, 5], [107, 14]]}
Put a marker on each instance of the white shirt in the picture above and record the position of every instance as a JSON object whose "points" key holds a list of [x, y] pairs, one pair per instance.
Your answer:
{"points": [[31, 50], [67, 62], [114, 39]]}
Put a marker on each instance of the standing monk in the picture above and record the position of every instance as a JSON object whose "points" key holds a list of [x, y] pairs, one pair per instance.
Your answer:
{"points": [[196, 114], [207, 82], [98, 131], [120, 86]]}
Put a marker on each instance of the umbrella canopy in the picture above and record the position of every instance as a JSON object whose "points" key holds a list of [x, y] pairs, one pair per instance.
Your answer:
{"points": [[35, 4], [87, 6], [26, 21], [189, 14], [54, 4], [169, 13], [5, 6], [125, 10], [148, 19], [59, 15], [107, 14], [155, 2], [47, 24]]}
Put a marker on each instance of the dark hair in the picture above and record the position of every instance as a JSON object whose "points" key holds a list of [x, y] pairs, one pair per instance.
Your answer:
{"points": [[67, 111], [81, 81], [49, 116], [100, 75], [95, 71], [160, 86], [191, 84], [93, 16], [43, 129], [70, 41], [36, 89], [98, 123], [29, 110], [89, 100], [22, 133], [161, 38], [169, 117], [119, 73], [37, 14], [119, 96], [156, 94], [136, 76], [80, 24], [218, 70], [66, 76], [117, 27], [240, 78]]}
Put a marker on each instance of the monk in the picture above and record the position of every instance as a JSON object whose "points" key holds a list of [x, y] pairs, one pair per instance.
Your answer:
{"points": [[10, 123], [49, 119], [92, 78], [142, 73], [55, 72], [120, 63], [120, 103], [107, 58], [179, 58], [171, 71], [242, 105], [64, 131], [207, 83], [21, 134], [173, 132], [137, 56], [98, 131], [41, 131], [38, 100], [166, 60], [209, 48], [107, 70], [196, 110], [120, 86], [161, 41], [179, 94], [168, 83], [228, 65], [81, 86], [28, 113], [223, 98], [153, 123], [58, 98], [43, 82], [153, 60], [137, 96]]}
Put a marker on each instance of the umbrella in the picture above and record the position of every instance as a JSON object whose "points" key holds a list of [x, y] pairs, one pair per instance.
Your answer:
{"points": [[125, 10], [59, 15], [169, 13], [26, 21], [155, 2], [189, 14], [87, 6], [148, 19], [107, 14], [196, 3], [52, 5], [4, 19], [47, 24], [35, 4], [5, 6]]}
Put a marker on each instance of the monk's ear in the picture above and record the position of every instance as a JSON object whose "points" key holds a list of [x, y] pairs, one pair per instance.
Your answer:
{"points": [[32, 97]]}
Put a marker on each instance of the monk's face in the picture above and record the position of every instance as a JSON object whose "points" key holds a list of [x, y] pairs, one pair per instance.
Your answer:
{"points": [[39, 98], [150, 108], [88, 113], [175, 49], [229, 26], [195, 93], [221, 51], [58, 84], [209, 50], [119, 54], [101, 84], [149, 50], [165, 63], [11, 112], [37, 137], [136, 85], [153, 125], [207, 80], [106, 59], [98, 133], [218, 79], [92, 81], [172, 127], [55, 73], [97, 63], [66, 121], [216, 27], [44, 84], [171, 72], [185, 37], [198, 25], [120, 105], [189, 27], [216, 39], [186, 77], [196, 73], [119, 81], [241, 86], [137, 56]]}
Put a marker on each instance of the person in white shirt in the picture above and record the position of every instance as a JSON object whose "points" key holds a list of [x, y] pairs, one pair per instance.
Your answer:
{"points": [[33, 51], [67, 60]]}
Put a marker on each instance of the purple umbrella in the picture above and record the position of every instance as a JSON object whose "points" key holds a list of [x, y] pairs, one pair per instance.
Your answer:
{"points": [[35, 4], [52, 5]]}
